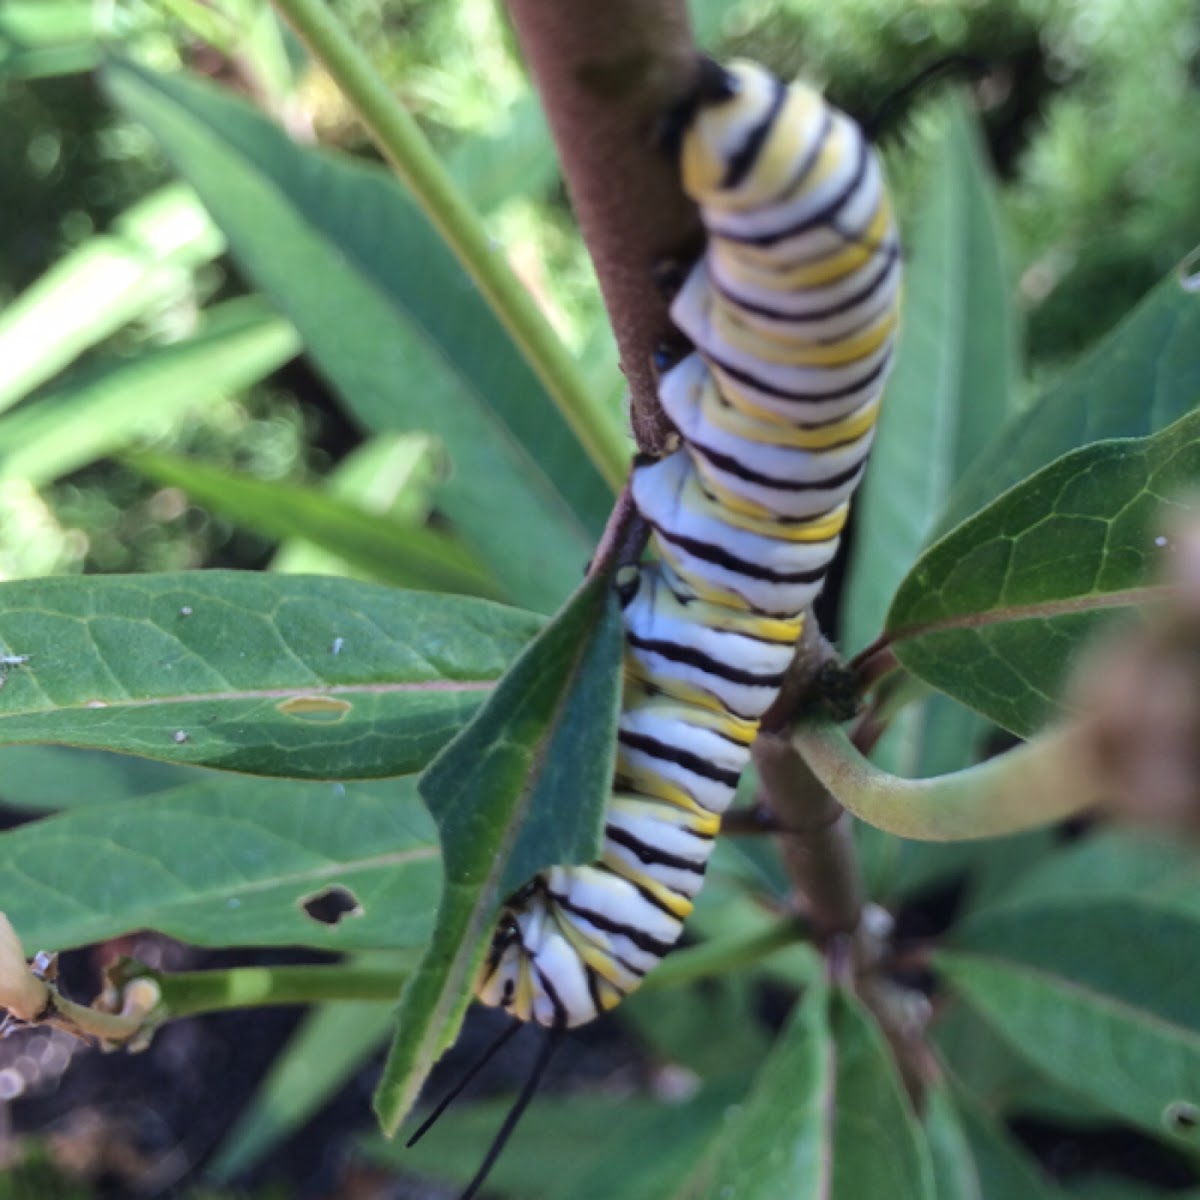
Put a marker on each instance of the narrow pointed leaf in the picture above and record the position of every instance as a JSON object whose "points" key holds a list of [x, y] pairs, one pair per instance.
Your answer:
{"points": [[1143, 376], [1008, 1172], [955, 1175], [827, 1118], [953, 383], [268, 675], [391, 318], [974, 1159], [993, 613], [102, 285], [521, 788], [1099, 996], [47, 37], [230, 862], [404, 555], [113, 405], [389, 473]]}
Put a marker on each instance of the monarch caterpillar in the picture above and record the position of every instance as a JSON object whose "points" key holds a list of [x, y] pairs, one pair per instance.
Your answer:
{"points": [[792, 312]]}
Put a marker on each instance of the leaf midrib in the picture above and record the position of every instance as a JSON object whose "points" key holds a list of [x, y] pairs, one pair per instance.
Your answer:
{"points": [[1042, 610], [1104, 1002], [96, 704]]}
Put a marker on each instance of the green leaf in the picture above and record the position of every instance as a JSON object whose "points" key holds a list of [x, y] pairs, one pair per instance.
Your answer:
{"points": [[955, 1174], [47, 37], [975, 1159], [1099, 996], [269, 675], [1110, 866], [993, 613], [229, 862], [584, 1147], [1139, 379], [102, 285], [828, 1091], [52, 777], [952, 387], [393, 321], [403, 555], [110, 406], [523, 787], [677, 1026], [519, 161], [390, 473], [330, 1045]]}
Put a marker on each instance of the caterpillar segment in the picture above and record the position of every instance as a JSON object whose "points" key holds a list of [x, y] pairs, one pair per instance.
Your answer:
{"points": [[792, 314]]}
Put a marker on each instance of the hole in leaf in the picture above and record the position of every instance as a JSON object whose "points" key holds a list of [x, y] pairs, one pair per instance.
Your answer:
{"points": [[1181, 1117], [331, 905], [1189, 272]]}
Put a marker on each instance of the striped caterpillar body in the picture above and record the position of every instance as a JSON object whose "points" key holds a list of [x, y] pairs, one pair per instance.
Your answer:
{"points": [[792, 312]]}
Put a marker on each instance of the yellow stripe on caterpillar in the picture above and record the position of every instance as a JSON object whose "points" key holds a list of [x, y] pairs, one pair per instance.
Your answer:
{"points": [[795, 351], [727, 414], [665, 897], [705, 155], [599, 960], [824, 271], [733, 728]]}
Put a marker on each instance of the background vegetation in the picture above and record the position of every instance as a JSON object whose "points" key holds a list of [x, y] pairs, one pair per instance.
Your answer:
{"points": [[107, 428]]}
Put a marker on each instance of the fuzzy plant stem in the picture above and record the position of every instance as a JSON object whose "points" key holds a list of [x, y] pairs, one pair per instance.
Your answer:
{"points": [[608, 75]]}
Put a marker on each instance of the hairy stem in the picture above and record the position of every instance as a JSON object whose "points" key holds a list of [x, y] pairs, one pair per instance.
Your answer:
{"points": [[608, 75], [406, 149], [818, 847]]}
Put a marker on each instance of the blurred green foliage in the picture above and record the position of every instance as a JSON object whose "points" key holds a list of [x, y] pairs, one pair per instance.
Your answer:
{"points": [[1090, 108]]}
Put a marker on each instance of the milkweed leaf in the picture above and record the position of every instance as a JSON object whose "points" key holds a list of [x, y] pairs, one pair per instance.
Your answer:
{"points": [[406, 555], [521, 788], [1143, 376], [229, 861], [994, 613], [954, 380], [828, 1091], [1097, 995], [390, 317], [267, 675]]}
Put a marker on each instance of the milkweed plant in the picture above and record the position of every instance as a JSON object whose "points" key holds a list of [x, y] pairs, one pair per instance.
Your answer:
{"points": [[959, 889]]}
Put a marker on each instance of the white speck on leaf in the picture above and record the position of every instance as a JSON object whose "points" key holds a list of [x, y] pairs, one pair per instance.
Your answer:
{"points": [[338, 643], [180, 736]]}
